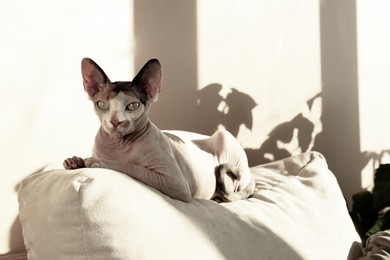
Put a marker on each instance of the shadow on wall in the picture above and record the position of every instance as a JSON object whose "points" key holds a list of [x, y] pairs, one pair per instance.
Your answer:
{"points": [[274, 147], [170, 34], [213, 110], [236, 110]]}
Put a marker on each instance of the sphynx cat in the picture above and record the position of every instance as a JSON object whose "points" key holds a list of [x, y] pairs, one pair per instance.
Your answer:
{"points": [[180, 164]]}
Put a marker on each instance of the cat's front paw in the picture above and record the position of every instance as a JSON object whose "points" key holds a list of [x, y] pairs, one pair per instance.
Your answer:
{"points": [[74, 163], [92, 162]]}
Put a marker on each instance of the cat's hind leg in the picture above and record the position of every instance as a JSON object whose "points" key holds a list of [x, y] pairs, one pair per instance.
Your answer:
{"points": [[229, 190], [233, 177]]}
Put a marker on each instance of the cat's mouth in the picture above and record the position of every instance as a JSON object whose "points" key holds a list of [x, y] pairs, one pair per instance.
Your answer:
{"points": [[118, 132]]}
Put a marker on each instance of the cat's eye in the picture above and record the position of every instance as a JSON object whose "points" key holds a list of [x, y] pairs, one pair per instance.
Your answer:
{"points": [[102, 105], [133, 106]]}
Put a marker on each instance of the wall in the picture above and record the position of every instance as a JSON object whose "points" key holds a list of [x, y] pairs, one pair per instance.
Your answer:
{"points": [[46, 116], [283, 76], [340, 139], [241, 74], [373, 63]]}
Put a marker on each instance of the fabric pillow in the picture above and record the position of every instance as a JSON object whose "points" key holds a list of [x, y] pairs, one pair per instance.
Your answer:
{"points": [[298, 212], [377, 246]]}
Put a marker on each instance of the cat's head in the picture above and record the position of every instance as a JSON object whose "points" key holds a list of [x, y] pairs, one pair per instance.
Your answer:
{"points": [[122, 106]]}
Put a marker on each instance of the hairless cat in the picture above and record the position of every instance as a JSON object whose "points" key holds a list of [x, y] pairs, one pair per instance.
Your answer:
{"points": [[182, 165]]}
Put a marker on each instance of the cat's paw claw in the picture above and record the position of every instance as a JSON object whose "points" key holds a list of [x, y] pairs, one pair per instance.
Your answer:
{"points": [[73, 163]]}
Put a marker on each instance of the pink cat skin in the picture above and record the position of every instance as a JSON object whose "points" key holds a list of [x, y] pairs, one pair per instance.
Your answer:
{"points": [[180, 164]]}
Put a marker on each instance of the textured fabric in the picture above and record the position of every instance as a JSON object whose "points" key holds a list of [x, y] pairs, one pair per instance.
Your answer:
{"points": [[15, 256], [378, 246], [297, 212]]}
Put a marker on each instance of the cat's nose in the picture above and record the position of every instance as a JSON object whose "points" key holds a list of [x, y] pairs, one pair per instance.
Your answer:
{"points": [[115, 123]]}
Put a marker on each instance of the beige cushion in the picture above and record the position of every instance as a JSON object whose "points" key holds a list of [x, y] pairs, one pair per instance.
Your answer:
{"points": [[297, 212]]}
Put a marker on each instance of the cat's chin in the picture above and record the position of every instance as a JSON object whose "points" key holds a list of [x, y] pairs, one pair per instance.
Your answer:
{"points": [[117, 134]]}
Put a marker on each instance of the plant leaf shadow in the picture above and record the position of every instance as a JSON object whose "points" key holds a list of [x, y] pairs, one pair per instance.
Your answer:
{"points": [[212, 109]]}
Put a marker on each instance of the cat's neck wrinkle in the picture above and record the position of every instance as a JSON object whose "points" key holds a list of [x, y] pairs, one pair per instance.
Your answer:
{"points": [[141, 129]]}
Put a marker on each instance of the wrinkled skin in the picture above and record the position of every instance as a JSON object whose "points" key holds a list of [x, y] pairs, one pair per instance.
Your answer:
{"points": [[182, 165]]}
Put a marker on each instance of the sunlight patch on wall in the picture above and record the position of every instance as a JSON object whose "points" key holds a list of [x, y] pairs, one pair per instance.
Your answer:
{"points": [[374, 84], [268, 53], [45, 112], [43, 50]]}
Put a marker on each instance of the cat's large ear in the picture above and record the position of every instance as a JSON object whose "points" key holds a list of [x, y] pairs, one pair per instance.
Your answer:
{"points": [[149, 79], [94, 78]]}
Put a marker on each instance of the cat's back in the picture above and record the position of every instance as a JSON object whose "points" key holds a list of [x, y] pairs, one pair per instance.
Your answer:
{"points": [[196, 165]]}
